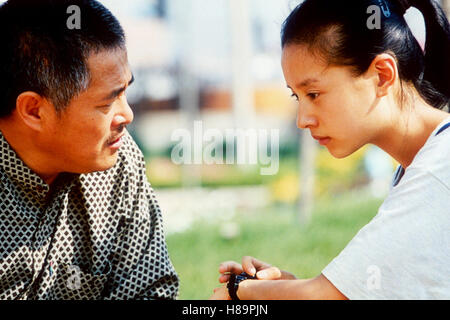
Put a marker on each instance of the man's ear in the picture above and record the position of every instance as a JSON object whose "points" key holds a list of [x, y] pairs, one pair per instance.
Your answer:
{"points": [[385, 67], [30, 107]]}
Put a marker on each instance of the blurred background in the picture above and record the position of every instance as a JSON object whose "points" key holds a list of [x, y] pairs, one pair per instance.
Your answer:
{"points": [[215, 65], [218, 63]]}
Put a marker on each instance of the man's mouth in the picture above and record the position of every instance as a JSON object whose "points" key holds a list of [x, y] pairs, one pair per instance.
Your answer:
{"points": [[115, 142]]}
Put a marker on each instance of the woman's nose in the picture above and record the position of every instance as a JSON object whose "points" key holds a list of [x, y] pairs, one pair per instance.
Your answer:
{"points": [[305, 119]]}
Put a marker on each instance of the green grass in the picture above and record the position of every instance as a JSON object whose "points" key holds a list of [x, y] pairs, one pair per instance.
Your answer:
{"points": [[272, 235]]}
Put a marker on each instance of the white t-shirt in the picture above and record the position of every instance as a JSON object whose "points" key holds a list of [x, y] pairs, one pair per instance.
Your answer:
{"points": [[404, 251]]}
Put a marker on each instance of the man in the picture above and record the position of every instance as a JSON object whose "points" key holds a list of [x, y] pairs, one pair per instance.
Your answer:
{"points": [[78, 218]]}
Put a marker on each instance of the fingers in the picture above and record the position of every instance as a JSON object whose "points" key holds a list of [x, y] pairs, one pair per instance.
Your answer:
{"points": [[230, 266], [224, 278], [252, 265], [272, 273], [249, 265], [227, 267]]}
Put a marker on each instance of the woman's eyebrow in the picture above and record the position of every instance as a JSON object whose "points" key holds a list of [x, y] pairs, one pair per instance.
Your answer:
{"points": [[307, 82]]}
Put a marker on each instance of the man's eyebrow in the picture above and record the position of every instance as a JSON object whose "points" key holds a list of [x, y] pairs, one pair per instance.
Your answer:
{"points": [[115, 93]]}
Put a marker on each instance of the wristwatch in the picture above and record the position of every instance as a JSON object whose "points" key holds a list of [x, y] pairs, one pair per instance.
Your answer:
{"points": [[233, 283]]}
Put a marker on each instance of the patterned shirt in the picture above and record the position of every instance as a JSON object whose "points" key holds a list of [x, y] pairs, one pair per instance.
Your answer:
{"points": [[91, 236]]}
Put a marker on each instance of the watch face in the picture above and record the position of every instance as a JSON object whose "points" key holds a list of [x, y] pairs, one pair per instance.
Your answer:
{"points": [[240, 278], [233, 283], [244, 276]]}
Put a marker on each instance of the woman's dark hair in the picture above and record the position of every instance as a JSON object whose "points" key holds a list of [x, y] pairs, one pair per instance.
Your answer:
{"points": [[338, 31], [41, 52]]}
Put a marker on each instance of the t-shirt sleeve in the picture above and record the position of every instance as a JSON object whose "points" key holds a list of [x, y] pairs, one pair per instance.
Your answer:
{"points": [[403, 253]]}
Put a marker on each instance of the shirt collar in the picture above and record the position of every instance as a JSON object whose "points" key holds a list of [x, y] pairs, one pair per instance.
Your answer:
{"points": [[22, 175], [400, 170]]}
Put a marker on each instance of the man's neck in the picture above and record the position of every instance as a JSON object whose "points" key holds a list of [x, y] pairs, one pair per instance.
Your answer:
{"points": [[19, 141]]}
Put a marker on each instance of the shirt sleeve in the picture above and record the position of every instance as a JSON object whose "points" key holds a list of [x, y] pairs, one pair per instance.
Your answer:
{"points": [[403, 252], [140, 267]]}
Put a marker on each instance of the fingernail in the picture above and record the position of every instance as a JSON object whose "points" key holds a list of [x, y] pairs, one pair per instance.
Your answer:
{"points": [[261, 274]]}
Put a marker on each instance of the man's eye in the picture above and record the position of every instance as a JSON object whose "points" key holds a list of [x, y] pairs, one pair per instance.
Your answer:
{"points": [[294, 96], [106, 106]]}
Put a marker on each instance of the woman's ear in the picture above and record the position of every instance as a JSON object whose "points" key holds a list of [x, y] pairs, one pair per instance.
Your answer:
{"points": [[29, 108], [385, 67]]}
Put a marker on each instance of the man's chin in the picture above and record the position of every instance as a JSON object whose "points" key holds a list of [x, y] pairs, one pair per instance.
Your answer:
{"points": [[102, 165], [109, 163]]}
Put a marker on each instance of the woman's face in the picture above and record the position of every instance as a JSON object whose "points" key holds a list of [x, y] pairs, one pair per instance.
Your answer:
{"points": [[337, 108]]}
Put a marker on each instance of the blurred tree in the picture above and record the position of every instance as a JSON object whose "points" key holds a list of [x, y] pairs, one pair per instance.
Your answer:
{"points": [[308, 151], [241, 55], [161, 8]]}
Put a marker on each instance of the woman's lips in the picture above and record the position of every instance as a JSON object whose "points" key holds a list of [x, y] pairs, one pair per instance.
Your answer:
{"points": [[322, 140]]}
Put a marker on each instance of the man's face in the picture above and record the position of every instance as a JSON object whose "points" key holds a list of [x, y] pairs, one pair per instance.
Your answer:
{"points": [[85, 137]]}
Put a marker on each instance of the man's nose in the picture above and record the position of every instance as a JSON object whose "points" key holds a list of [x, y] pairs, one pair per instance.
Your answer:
{"points": [[125, 115]]}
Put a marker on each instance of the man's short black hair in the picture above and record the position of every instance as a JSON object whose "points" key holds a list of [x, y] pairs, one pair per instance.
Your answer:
{"points": [[41, 52]]}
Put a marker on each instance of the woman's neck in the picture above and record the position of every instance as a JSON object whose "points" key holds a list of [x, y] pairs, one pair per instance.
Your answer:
{"points": [[410, 131]]}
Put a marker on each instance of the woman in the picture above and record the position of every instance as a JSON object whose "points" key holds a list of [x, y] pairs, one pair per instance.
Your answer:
{"points": [[359, 84]]}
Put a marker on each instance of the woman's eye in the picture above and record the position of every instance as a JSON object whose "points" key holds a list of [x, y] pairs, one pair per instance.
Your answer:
{"points": [[313, 95], [294, 96]]}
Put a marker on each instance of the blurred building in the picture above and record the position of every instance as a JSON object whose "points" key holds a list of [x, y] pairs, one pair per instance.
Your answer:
{"points": [[180, 49]]}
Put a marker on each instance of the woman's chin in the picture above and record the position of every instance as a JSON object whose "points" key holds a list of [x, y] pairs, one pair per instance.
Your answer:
{"points": [[340, 153]]}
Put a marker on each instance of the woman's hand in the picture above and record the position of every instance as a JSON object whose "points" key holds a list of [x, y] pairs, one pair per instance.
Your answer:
{"points": [[220, 293], [252, 266], [317, 288]]}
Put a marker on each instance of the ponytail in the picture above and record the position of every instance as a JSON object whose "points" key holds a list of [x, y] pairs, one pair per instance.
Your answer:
{"points": [[435, 85]]}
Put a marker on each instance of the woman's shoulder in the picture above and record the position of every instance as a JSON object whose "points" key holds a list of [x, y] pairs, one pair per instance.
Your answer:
{"points": [[436, 148], [434, 157]]}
